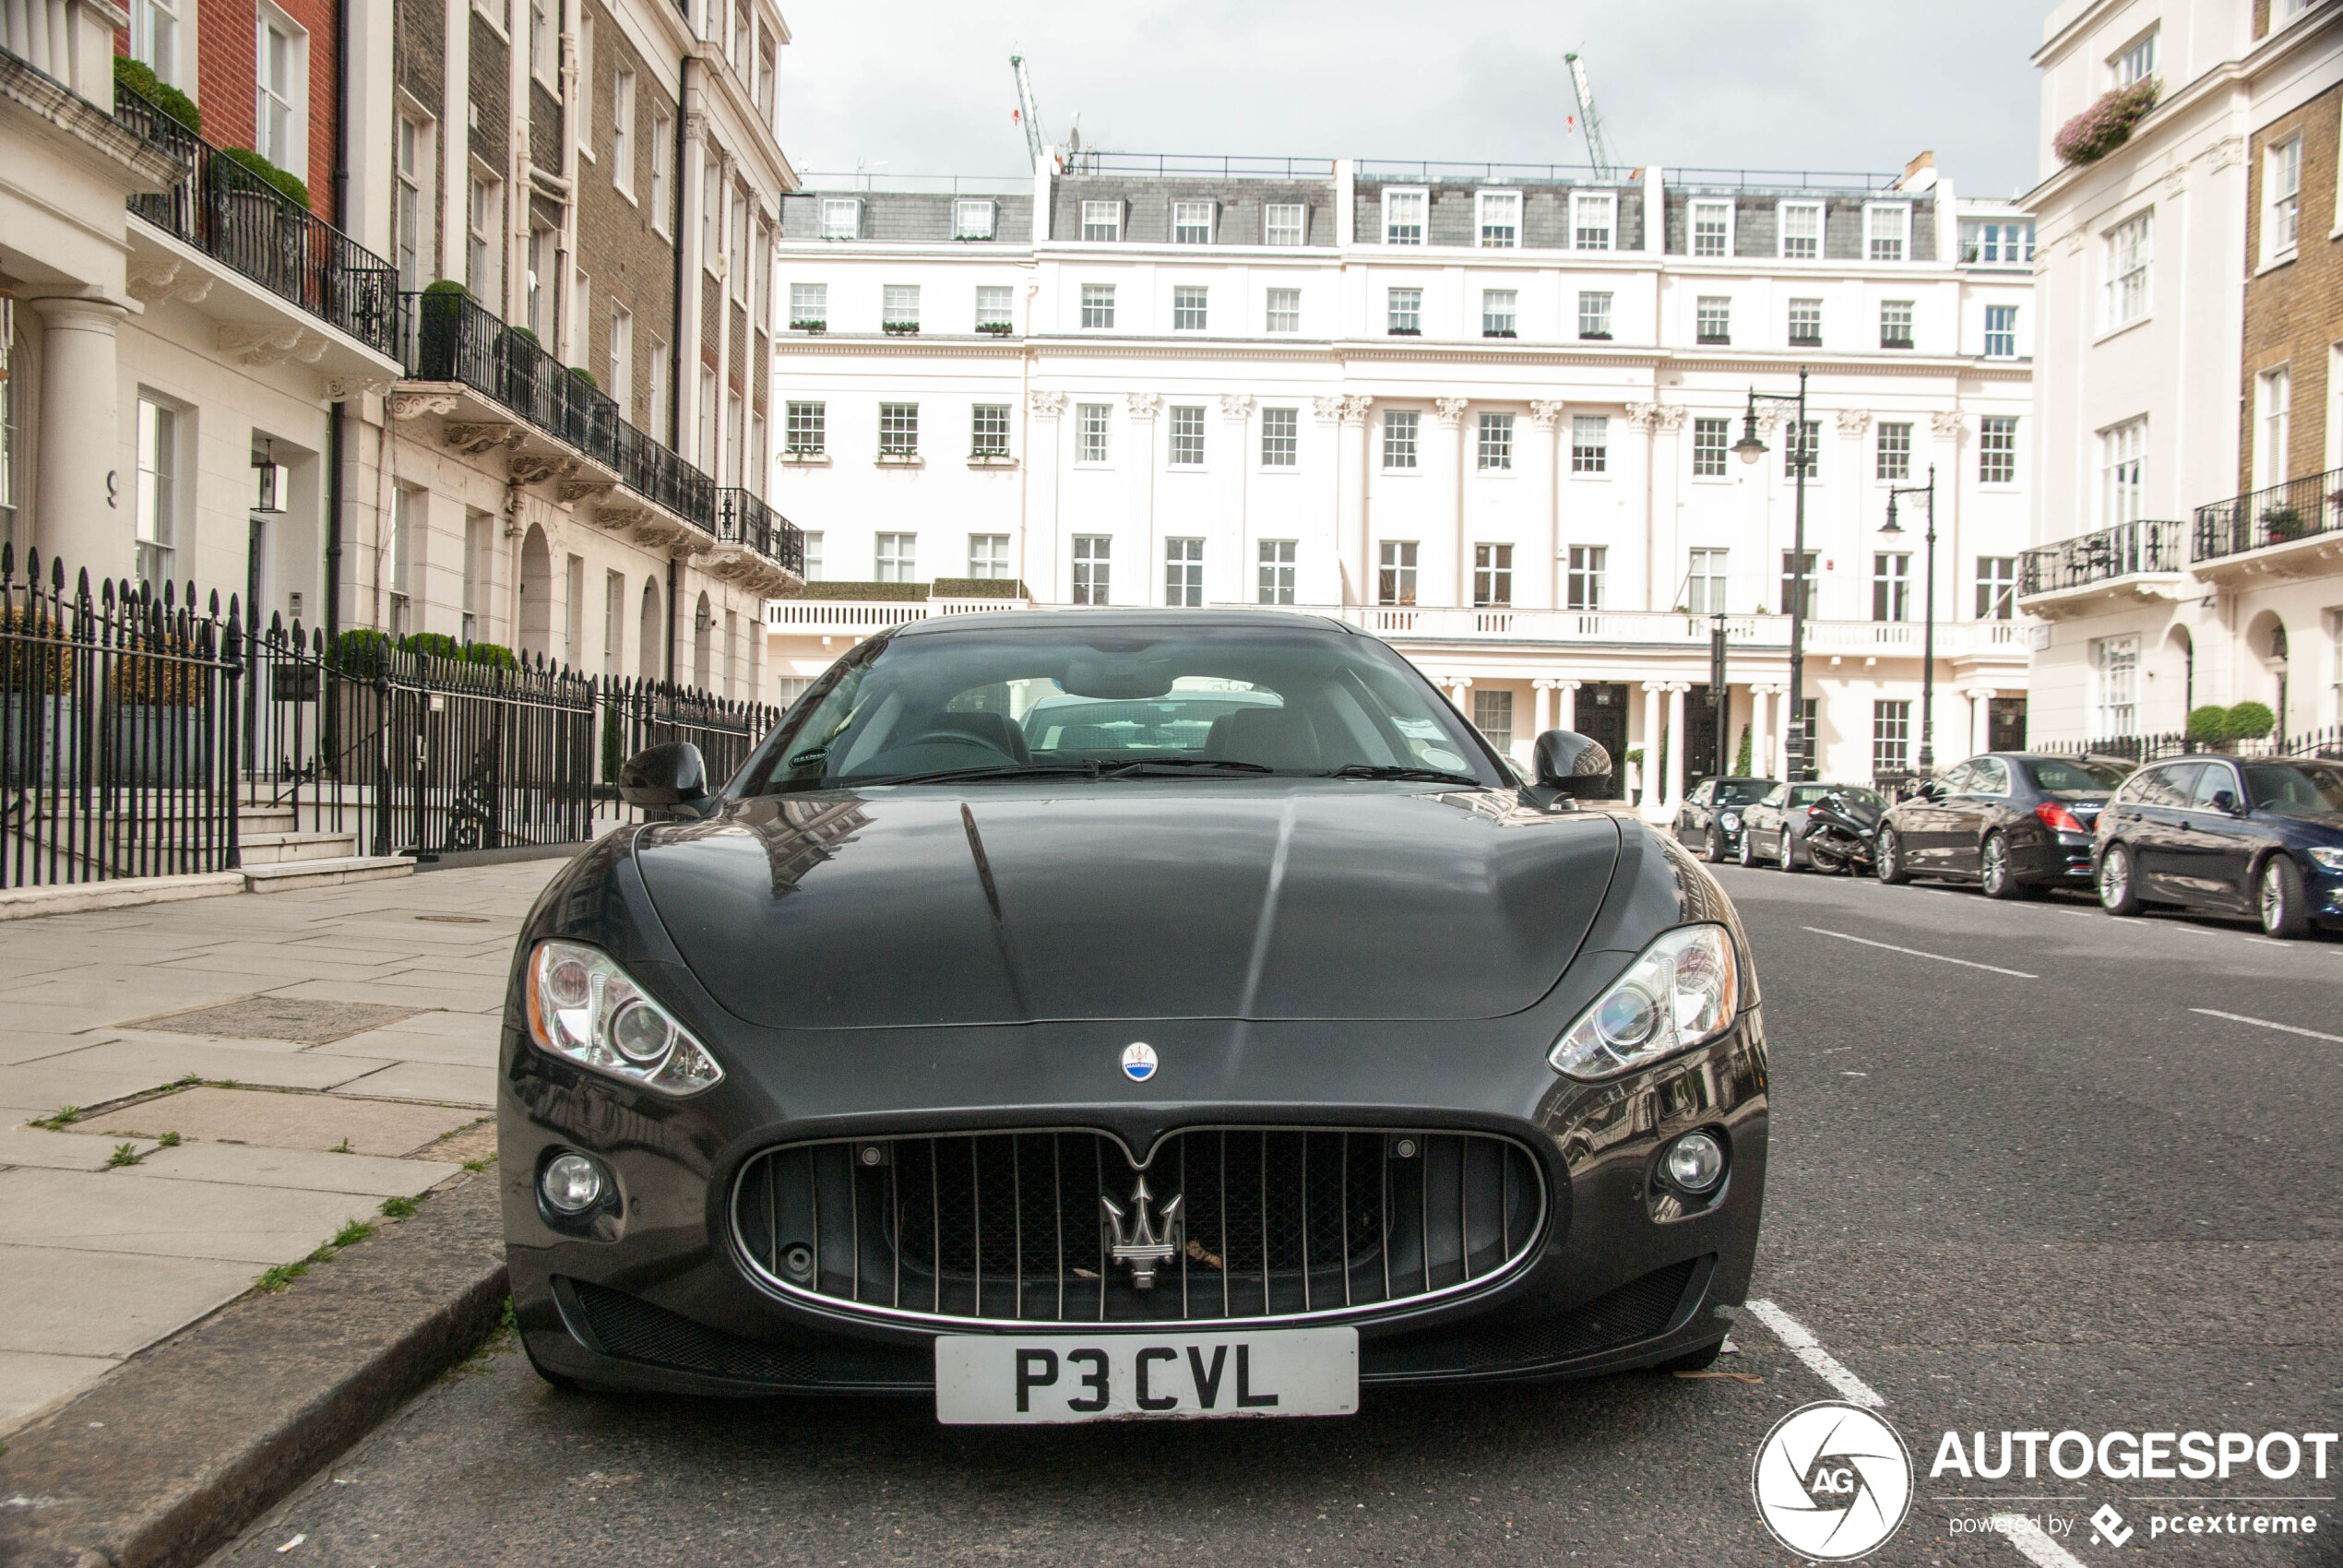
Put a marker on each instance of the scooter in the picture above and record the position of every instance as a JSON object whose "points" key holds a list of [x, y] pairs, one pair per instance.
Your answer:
{"points": [[1843, 834]]}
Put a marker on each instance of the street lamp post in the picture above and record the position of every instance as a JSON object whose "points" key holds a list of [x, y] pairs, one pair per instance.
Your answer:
{"points": [[1749, 448], [1928, 619]]}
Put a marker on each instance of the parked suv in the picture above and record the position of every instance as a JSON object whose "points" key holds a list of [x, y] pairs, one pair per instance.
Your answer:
{"points": [[2012, 822], [2258, 836]]}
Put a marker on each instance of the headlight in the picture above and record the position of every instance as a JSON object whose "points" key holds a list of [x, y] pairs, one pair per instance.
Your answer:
{"points": [[584, 1007], [1732, 821], [2331, 859], [1683, 989]]}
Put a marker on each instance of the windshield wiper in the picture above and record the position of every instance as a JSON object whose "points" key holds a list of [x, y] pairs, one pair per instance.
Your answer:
{"points": [[1393, 770], [1127, 769], [952, 774]]}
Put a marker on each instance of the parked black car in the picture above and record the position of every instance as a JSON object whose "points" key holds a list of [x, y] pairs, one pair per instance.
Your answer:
{"points": [[2260, 837], [2011, 822], [1710, 819], [1057, 1013], [1773, 831]]}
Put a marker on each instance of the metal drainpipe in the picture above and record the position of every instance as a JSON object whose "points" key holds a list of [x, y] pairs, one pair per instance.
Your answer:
{"points": [[672, 588], [334, 426]]}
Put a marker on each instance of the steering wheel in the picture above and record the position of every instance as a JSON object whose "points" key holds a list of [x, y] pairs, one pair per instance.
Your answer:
{"points": [[957, 738]]}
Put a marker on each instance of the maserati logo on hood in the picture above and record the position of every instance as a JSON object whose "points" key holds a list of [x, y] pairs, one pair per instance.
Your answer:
{"points": [[1144, 1242], [1138, 1062]]}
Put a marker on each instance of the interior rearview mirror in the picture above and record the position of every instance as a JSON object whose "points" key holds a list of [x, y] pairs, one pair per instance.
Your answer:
{"points": [[1573, 764], [668, 780]]}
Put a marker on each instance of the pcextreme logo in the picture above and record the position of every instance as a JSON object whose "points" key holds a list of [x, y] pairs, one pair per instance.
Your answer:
{"points": [[1832, 1481]]}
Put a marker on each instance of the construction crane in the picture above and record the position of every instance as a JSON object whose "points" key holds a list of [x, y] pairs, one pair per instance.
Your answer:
{"points": [[1029, 114], [1598, 149]]}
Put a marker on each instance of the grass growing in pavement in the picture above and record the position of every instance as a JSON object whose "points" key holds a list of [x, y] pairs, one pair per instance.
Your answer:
{"points": [[275, 1280], [480, 1164], [349, 1235], [168, 1140], [278, 1279], [123, 1153], [342, 1147], [399, 1208], [500, 1340], [65, 1117]]}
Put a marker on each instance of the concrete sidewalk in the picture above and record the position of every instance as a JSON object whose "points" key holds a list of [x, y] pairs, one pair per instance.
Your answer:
{"points": [[243, 1077]]}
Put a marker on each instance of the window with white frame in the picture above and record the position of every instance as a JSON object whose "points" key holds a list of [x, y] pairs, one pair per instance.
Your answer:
{"points": [[1495, 446], [1400, 428], [1091, 568], [543, 43], [156, 500], [1283, 312], [662, 152], [1996, 588], [899, 430], [1887, 231], [1589, 444], [2115, 667], [1276, 582], [812, 555], [1997, 449], [899, 305], [1492, 715], [1498, 218], [1188, 308], [1704, 583], [1712, 228], [897, 558], [1093, 432], [1396, 572], [1582, 584], [1798, 581], [988, 429], [663, 406], [2281, 198], [1281, 438], [1497, 312], [1187, 436], [1807, 443], [154, 37], [2137, 61], [1594, 315], [542, 281], [1711, 438], [1893, 455], [2128, 247], [841, 218], [2122, 469], [1403, 311], [804, 429], [622, 134], [1492, 575], [1098, 304], [1713, 318], [1891, 585], [1895, 324], [994, 301], [1284, 223], [1891, 736], [282, 93], [1183, 573], [1594, 218], [2273, 426], [413, 212], [972, 219], [1996, 243], [809, 306], [1403, 217], [988, 556], [2000, 332], [621, 360], [1801, 230], [484, 221], [1190, 222], [1805, 323], [1101, 219]]}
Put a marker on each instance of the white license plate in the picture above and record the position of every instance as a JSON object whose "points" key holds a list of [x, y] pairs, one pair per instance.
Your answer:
{"points": [[1000, 1379]]}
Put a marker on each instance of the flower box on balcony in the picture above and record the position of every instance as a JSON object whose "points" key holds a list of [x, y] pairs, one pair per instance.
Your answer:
{"points": [[899, 459], [1498, 332], [815, 324], [991, 458], [901, 329], [804, 455], [1407, 332], [995, 328]]}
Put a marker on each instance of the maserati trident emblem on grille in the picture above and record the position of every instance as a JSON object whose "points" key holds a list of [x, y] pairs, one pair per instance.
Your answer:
{"points": [[1140, 1240]]}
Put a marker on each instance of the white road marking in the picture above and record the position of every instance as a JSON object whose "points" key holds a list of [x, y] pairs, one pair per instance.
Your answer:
{"points": [[1964, 963], [2038, 1548], [2265, 1024], [1802, 1343]]}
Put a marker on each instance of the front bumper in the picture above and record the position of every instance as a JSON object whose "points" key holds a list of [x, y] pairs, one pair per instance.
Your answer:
{"points": [[654, 1294]]}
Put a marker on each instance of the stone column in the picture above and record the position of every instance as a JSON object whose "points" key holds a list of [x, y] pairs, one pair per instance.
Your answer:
{"points": [[1981, 706], [1647, 774], [1545, 480], [1676, 690], [1045, 576], [1761, 731], [1236, 416], [83, 503], [1542, 702], [1350, 493], [1143, 407], [1566, 714], [1450, 412]]}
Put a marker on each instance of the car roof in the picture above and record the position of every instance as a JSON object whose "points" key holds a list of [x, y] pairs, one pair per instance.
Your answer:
{"points": [[1025, 620]]}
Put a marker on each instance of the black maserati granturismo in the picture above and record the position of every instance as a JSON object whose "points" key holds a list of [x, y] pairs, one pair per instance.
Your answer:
{"points": [[1115, 1012]]}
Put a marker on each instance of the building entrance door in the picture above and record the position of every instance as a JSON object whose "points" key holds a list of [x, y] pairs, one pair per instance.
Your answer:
{"points": [[1601, 716], [2006, 724], [1701, 757]]}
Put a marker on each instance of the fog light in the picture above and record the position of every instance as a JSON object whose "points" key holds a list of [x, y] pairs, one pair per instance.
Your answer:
{"points": [[1696, 1162], [573, 1184]]}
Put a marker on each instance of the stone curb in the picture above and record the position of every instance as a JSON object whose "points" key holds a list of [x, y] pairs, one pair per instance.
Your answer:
{"points": [[161, 1462]]}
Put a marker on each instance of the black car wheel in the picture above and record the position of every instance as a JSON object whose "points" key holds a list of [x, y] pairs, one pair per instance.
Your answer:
{"points": [[2118, 888], [1999, 878], [1891, 864], [1748, 847], [2279, 897], [1712, 848], [1789, 860]]}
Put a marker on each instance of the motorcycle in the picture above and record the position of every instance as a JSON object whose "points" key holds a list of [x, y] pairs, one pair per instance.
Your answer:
{"points": [[1842, 834]]}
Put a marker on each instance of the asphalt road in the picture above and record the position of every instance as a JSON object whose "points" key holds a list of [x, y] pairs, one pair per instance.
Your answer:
{"points": [[2041, 1188]]}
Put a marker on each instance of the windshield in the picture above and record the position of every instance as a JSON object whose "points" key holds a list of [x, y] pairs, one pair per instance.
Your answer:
{"points": [[1742, 791], [1855, 794], [2060, 775], [2295, 789], [1211, 701]]}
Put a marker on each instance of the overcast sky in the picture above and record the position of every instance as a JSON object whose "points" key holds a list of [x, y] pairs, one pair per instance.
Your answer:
{"points": [[922, 87]]}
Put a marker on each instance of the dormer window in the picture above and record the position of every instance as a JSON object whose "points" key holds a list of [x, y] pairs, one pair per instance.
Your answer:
{"points": [[972, 219], [1102, 220], [1887, 231], [841, 218], [1403, 217]]}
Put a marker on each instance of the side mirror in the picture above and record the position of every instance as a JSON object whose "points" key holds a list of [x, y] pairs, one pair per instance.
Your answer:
{"points": [[2225, 802], [1571, 764], [668, 780], [1931, 789]]}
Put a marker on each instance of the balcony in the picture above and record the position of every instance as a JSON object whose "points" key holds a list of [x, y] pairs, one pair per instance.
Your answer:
{"points": [[865, 614], [756, 545], [2293, 529], [226, 213], [454, 344], [2134, 561]]}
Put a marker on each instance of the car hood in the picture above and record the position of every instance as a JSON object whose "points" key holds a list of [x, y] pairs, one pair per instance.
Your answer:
{"points": [[1228, 900]]}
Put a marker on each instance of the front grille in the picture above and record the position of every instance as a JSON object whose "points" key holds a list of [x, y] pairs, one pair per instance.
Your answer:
{"points": [[1009, 1226]]}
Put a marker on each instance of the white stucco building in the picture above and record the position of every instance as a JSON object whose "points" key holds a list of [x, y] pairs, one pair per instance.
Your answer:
{"points": [[1483, 411]]}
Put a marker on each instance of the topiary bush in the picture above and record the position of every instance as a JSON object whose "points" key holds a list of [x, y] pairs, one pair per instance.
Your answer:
{"points": [[2209, 725], [448, 286], [2251, 721], [579, 372], [135, 74], [434, 644], [283, 182], [494, 656], [362, 651]]}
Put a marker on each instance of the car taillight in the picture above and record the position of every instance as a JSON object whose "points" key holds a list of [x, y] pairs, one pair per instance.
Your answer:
{"points": [[1815, 810], [2057, 818]]}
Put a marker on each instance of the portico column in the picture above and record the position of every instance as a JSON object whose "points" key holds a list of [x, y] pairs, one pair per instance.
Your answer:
{"points": [[79, 512], [1566, 710], [1761, 727], [1676, 690], [1141, 515], [1649, 771], [1980, 701], [1448, 479], [1460, 693], [1039, 560], [1542, 703]]}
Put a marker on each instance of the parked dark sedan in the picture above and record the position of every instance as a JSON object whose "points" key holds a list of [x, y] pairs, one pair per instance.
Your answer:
{"points": [[1255, 1037], [2012, 822], [2261, 837], [1710, 819], [1774, 830]]}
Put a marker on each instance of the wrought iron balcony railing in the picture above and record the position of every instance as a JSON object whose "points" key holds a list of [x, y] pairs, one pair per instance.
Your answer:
{"points": [[2123, 550], [741, 519], [2277, 515], [452, 338], [232, 215]]}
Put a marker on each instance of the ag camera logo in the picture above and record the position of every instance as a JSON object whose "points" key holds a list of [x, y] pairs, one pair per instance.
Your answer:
{"points": [[1832, 1481]]}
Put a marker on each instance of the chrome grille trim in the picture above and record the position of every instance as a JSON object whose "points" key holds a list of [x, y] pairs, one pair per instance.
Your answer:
{"points": [[1322, 1247]]}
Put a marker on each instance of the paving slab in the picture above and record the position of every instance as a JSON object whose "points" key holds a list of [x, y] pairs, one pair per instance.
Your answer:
{"points": [[46, 1150], [279, 1016], [61, 1302], [165, 1038], [45, 1085], [288, 1120], [477, 1049], [183, 1219], [306, 1170], [31, 1045], [29, 1381], [162, 1062], [428, 1080], [413, 990]]}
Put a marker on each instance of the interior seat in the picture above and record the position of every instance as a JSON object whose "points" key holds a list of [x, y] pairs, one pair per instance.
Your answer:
{"points": [[1273, 737], [994, 729]]}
